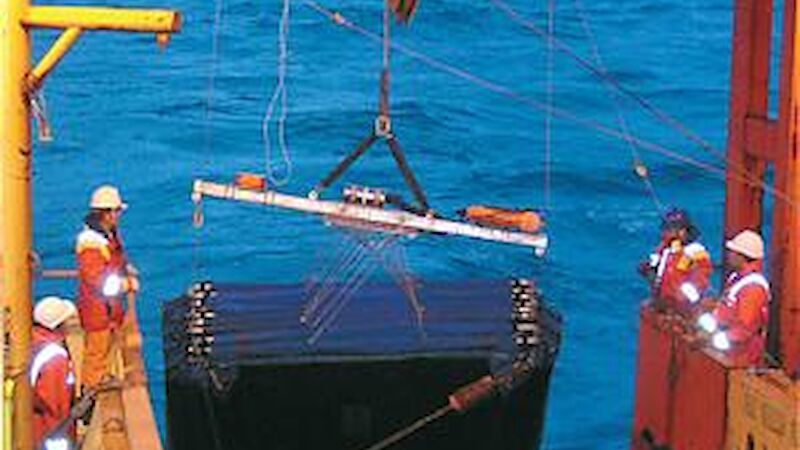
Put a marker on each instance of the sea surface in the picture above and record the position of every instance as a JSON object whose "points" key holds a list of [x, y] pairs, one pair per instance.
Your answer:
{"points": [[150, 121]]}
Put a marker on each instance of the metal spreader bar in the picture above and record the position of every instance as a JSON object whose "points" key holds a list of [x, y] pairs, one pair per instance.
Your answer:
{"points": [[387, 219]]}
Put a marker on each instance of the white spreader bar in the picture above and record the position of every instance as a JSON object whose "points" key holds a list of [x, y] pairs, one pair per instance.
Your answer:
{"points": [[369, 214]]}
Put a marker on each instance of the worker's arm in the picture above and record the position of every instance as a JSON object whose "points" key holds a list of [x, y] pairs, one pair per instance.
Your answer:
{"points": [[745, 319], [92, 267], [701, 272], [695, 263], [53, 391]]}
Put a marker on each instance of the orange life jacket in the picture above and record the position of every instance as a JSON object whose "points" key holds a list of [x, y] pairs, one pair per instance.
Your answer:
{"points": [[101, 267]]}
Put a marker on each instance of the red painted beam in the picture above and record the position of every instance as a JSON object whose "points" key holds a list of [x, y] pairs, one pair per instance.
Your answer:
{"points": [[762, 138]]}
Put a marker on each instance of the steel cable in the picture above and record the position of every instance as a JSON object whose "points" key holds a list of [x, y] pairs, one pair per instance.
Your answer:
{"points": [[599, 127], [605, 76], [623, 124], [549, 89], [208, 110]]}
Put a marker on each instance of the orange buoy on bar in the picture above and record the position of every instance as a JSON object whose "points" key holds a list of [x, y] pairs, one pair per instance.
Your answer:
{"points": [[251, 181], [524, 220]]}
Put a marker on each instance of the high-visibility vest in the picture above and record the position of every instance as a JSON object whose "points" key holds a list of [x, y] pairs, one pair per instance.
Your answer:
{"points": [[731, 297], [49, 352]]}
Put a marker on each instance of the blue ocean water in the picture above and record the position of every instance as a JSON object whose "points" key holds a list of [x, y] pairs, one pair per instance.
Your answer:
{"points": [[124, 112]]}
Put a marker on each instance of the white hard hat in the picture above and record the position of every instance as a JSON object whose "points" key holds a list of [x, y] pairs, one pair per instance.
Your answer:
{"points": [[747, 243], [107, 197], [50, 312]]}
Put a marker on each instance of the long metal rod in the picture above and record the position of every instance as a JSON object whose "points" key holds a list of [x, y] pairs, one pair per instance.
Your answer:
{"points": [[17, 18], [94, 18], [397, 219], [15, 210], [59, 49]]}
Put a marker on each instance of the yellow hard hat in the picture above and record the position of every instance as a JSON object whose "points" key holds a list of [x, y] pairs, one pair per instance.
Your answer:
{"points": [[747, 243], [50, 312], [107, 197]]}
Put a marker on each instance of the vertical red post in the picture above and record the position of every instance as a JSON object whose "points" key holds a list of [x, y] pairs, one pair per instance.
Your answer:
{"points": [[753, 142], [749, 96], [664, 401], [785, 245]]}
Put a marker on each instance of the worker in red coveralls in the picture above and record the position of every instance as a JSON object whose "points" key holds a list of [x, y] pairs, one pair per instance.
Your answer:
{"points": [[680, 267], [105, 276], [51, 375], [738, 322]]}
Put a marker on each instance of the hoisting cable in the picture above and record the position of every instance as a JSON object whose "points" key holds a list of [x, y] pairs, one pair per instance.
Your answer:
{"points": [[279, 102], [548, 116], [208, 111], [382, 128], [197, 217], [601, 128], [640, 169], [607, 77], [658, 113]]}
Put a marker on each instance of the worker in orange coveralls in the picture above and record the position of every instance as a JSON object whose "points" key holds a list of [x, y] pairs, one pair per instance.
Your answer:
{"points": [[738, 323], [680, 267], [104, 277], [51, 375]]}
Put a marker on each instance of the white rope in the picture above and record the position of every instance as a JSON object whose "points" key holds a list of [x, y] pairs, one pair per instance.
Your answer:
{"points": [[279, 102]]}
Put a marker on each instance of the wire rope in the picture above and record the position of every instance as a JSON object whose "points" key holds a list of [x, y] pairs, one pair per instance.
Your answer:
{"points": [[659, 114], [608, 78], [639, 166], [208, 110], [601, 128], [207, 144], [548, 117]]}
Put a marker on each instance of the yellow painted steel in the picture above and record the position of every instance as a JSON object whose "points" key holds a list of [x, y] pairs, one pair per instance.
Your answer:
{"points": [[52, 57], [762, 411], [90, 18], [8, 413], [5, 431], [16, 78], [15, 208]]}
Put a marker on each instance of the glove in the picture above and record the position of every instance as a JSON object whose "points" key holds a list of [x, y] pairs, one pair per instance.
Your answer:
{"points": [[646, 271], [130, 284]]}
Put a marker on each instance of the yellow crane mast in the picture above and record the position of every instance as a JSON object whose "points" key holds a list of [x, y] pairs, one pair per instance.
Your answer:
{"points": [[19, 82]]}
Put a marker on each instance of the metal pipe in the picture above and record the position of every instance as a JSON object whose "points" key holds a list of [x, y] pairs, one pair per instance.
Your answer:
{"points": [[399, 220], [92, 18], [15, 209], [16, 224], [60, 48], [57, 273]]}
